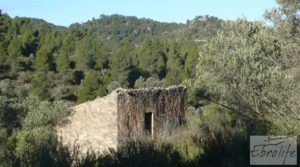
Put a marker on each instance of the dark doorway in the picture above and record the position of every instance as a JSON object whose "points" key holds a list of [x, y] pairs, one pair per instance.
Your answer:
{"points": [[149, 123]]}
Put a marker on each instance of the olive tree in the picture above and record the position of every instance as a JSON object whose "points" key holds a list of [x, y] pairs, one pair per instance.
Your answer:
{"points": [[243, 69]]}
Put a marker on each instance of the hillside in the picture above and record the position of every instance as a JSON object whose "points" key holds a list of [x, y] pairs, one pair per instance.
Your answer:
{"points": [[116, 28], [242, 79], [86, 60]]}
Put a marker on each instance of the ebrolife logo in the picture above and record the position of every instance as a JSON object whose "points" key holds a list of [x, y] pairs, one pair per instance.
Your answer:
{"points": [[273, 150]]}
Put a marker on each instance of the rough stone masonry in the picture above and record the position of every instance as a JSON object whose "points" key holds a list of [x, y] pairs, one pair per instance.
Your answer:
{"points": [[124, 114]]}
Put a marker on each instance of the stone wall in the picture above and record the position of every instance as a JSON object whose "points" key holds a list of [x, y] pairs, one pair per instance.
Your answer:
{"points": [[167, 105], [92, 125], [110, 121]]}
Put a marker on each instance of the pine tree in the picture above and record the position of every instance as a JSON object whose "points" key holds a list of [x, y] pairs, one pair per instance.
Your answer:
{"points": [[175, 65], [62, 62], [43, 60], [91, 87], [121, 64], [152, 58], [86, 50], [39, 85]]}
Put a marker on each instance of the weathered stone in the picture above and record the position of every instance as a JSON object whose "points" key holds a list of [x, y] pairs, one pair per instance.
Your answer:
{"points": [[167, 105], [124, 115]]}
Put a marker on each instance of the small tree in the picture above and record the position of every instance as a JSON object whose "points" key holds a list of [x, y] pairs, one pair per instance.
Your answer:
{"points": [[43, 60], [121, 64], [39, 85], [91, 87], [242, 69]]}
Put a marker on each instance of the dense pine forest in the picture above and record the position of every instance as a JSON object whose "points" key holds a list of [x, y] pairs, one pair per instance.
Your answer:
{"points": [[90, 59], [242, 79]]}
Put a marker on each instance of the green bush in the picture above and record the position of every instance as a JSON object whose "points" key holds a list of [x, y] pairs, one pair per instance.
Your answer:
{"points": [[43, 113]]}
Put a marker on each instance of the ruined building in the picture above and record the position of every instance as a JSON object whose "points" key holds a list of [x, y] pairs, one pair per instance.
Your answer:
{"points": [[123, 115]]}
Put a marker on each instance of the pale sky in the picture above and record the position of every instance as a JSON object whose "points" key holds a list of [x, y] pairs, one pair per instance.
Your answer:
{"points": [[66, 12]]}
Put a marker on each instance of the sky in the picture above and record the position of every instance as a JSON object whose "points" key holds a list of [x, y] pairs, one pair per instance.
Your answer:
{"points": [[66, 12]]}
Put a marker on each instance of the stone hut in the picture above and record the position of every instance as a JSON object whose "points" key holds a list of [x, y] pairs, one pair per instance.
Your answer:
{"points": [[124, 115]]}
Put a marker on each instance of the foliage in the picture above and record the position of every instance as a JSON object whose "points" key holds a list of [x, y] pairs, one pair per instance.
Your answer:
{"points": [[28, 138], [248, 75], [242, 78], [43, 60], [152, 57], [39, 85], [145, 153], [148, 83], [91, 87], [11, 116], [43, 113], [120, 49]]}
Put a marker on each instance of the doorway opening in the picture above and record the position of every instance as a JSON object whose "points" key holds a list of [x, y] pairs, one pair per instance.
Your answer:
{"points": [[149, 124]]}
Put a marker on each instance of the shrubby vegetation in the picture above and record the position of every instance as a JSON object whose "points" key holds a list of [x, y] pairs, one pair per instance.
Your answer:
{"points": [[252, 69], [27, 137], [242, 79]]}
